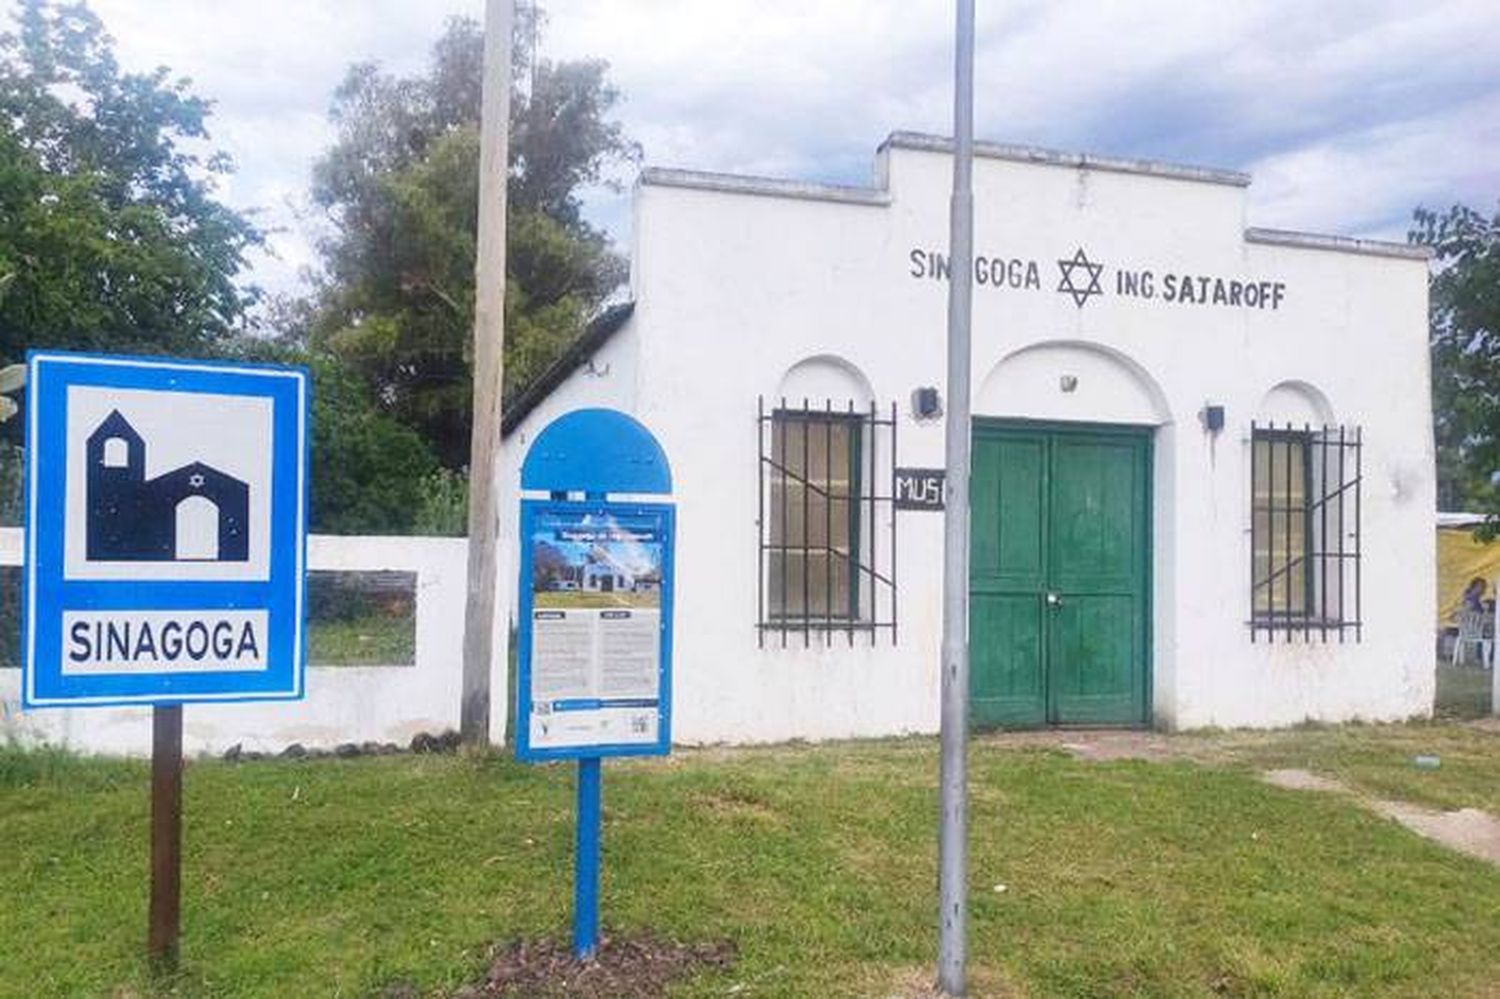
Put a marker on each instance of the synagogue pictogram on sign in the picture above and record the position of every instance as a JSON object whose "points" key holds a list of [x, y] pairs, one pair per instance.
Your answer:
{"points": [[195, 512]]}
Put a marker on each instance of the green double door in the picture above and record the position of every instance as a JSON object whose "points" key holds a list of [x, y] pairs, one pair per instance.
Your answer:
{"points": [[1060, 558]]}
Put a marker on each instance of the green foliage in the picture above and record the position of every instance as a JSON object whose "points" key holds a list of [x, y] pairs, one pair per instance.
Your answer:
{"points": [[367, 467], [375, 640], [12, 487], [111, 240], [10, 615], [397, 300], [443, 509], [1465, 339], [107, 219], [58, 766]]}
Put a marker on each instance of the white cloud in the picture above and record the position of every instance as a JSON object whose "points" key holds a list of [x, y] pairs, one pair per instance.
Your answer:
{"points": [[271, 68], [1349, 112], [1347, 182]]}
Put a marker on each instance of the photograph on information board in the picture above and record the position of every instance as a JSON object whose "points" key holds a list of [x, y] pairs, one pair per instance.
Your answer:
{"points": [[597, 562]]}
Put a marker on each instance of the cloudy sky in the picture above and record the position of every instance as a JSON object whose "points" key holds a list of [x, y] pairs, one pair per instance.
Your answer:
{"points": [[1347, 112]]}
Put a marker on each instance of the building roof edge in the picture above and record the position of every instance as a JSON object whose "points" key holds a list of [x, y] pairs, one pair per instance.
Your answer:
{"points": [[1056, 157], [1339, 244], [730, 183], [594, 336]]}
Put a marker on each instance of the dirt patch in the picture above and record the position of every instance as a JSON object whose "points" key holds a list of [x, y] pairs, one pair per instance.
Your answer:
{"points": [[628, 966], [1302, 780], [1467, 830], [1105, 746], [1099, 746], [917, 983]]}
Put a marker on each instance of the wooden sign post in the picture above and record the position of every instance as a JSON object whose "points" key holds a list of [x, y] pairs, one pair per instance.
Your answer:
{"points": [[166, 836]]}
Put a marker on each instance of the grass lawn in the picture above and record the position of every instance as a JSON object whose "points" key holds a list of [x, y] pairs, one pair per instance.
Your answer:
{"points": [[341, 877], [370, 640], [1378, 759], [1463, 691]]}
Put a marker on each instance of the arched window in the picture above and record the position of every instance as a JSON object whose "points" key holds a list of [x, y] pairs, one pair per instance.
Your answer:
{"points": [[116, 453], [1305, 517], [825, 551]]}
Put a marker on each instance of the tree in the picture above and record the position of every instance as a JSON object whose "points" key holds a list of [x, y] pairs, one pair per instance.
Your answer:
{"points": [[107, 218], [400, 186], [110, 236], [368, 469], [1465, 341], [371, 474]]}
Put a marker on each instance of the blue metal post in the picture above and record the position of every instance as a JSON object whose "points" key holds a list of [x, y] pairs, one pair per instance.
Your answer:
{"points": [[586, 860]]}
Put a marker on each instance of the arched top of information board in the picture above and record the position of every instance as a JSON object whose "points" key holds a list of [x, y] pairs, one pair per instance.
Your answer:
{"points": [[596, 451]]}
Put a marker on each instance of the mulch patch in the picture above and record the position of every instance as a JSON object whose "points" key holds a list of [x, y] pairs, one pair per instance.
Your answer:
{"points": [[627, 966]]}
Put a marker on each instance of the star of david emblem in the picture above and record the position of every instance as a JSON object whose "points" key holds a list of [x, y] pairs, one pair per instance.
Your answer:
{"points": [[196, 480], [1073, 279]]}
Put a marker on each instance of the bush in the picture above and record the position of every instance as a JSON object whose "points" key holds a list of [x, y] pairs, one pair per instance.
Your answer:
{"points": [[11, 465], [444, 504], [367, 468], [10, 616]]}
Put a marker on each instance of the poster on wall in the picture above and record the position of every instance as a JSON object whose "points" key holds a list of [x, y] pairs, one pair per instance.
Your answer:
{"points": [[595, 630]]}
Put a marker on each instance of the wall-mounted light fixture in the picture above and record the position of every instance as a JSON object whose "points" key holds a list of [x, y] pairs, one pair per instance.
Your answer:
{"points": [[926, 404], [1212, 417]]}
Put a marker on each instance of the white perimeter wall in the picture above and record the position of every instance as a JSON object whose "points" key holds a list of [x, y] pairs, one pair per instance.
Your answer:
{"points": [[733, 290], [343, 703]]}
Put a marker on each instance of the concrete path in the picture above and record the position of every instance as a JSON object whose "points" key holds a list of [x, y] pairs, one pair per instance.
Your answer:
{"points": [[1468, 830]]}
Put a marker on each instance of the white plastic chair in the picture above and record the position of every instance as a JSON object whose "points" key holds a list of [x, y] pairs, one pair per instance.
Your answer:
{"points": [[1472, 630]]}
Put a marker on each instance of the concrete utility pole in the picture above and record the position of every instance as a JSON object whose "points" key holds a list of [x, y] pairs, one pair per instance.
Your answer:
{"points": [[489, 347], [953, 848]]}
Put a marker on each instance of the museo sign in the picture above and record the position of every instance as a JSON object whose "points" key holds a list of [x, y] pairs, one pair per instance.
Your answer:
{"points": [[919, 488], [166, 520]]}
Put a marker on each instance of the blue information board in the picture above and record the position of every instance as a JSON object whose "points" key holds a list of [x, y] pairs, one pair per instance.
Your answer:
{"points": [[594, 675], [166, 526], [594, 671]]}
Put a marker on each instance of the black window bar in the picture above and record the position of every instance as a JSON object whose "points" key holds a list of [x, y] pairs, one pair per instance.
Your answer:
{"points": [[826, 562], [1305, 531]]}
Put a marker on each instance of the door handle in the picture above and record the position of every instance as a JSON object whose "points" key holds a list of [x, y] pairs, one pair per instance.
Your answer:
{"points": [[1054, 599]]}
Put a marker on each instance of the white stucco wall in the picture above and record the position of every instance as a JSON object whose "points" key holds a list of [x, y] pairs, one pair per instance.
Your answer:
{"points": [[343, 703], [608, 379], [737, 282]]}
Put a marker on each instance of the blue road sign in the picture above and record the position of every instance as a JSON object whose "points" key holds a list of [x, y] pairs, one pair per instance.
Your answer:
{"points": [[166, 530]]}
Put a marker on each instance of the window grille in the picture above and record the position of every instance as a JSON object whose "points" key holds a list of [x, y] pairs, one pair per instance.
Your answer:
{"points": [[1305, 531], [827, 559]]}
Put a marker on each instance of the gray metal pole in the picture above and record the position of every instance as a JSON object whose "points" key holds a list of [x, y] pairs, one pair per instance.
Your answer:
{"points": [[489, 348], [953, 860]]}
